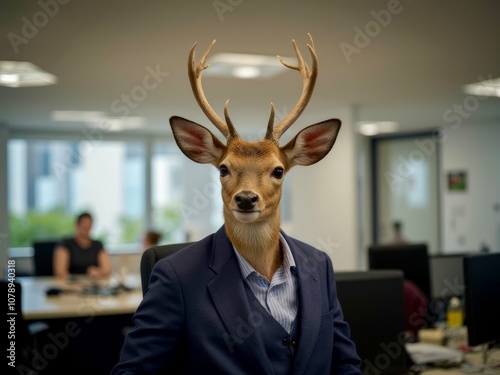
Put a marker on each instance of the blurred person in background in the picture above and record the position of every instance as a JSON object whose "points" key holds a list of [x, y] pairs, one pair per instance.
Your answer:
{"points": [[398, 238], [80, 254], [151, 238]]}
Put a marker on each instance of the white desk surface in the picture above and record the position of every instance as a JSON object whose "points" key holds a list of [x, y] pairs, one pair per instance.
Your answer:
{"points": [[36, 305]]}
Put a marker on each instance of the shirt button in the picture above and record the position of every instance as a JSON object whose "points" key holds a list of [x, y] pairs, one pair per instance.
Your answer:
{"points": [[285, 341]]}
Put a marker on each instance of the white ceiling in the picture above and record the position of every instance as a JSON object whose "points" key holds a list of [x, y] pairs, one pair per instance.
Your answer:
{"points": [[410, 70]]}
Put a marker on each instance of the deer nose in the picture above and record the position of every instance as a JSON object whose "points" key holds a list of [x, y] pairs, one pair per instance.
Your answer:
{"points": [[246, 200]]}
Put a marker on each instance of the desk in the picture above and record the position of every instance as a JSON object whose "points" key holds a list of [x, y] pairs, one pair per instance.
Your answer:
{"points": [[85, 331], [36, 305], [474, 358]]}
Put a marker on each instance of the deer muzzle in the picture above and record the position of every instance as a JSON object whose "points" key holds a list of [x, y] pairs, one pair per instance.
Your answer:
{"points": [[246, 206]]}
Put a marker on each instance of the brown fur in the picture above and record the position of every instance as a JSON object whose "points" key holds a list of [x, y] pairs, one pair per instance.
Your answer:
{"points": [[251, 165]]}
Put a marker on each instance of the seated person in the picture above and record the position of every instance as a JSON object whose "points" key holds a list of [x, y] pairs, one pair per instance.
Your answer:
{"points": [[80, 254], [150, 239]]}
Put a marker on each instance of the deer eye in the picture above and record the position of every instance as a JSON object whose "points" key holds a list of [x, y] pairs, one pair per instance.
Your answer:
{"points": [[278, 173], [224, 171]]}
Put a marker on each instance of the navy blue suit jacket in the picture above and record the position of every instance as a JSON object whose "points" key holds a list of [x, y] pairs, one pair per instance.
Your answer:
{"points": [[196, 319]]}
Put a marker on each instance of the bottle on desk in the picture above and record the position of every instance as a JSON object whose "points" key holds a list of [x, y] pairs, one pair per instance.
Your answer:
{"points": [[456, 333], [455, 313]]}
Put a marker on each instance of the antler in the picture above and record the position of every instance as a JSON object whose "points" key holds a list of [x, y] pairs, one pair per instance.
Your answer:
{"points": [[309, 80], [195, 72]]}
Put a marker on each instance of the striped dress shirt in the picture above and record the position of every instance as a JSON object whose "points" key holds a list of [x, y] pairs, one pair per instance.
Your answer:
{"points": [[278, 297]]}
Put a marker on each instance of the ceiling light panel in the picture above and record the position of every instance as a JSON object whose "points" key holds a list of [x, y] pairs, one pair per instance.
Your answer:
{"points": [[24, 74], [246, 66], [489, 87]]}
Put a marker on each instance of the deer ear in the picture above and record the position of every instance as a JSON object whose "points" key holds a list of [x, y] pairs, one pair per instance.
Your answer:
{"points": [[196, 141], [312, 143]]}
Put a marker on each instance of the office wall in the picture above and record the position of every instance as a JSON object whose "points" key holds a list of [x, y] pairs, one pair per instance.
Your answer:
{"points": [[364, 199], [324, 204], [471, 217], [4, 237]]}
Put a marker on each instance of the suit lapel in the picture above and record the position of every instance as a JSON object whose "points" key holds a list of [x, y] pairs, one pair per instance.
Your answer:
{"points": [[228, 294], [309, 294]]}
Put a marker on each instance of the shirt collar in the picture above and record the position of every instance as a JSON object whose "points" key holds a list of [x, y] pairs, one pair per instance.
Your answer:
{"points": [[288, 261]]}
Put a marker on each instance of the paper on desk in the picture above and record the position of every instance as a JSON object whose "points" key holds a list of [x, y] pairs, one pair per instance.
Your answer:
{"points": [[421, 353]]}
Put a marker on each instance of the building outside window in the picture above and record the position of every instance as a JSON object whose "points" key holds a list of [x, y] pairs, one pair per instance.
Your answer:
{"points": [[51, 182]]}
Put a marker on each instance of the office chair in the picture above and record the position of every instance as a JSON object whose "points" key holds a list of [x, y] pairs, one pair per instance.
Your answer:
{"points": [[42, 257], [154, 254], [373, 306]]}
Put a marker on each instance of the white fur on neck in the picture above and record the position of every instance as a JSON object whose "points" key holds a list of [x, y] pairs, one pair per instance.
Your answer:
{"points": [[258, 243]]}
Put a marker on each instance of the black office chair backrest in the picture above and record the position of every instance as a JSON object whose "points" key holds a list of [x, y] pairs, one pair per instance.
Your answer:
{"points": [[153, 255], [381, 293], [42, 257]]}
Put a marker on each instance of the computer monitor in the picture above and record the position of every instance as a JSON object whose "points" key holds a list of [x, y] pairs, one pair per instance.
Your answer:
{"points": [[372, 303], [447, 275], [412, 259], [482, 298]]}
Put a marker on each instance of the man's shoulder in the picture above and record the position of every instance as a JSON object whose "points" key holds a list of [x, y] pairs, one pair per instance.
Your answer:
{"points": [[303, 248], [192, 255]]}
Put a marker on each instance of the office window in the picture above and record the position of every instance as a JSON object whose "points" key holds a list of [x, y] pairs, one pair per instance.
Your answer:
{"points": [[50, 182], [167, 191]]}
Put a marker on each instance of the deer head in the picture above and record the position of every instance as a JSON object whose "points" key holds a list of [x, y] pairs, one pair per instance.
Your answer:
{"points": [[252, 173]]}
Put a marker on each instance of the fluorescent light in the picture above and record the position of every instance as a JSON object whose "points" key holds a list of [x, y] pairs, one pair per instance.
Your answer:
{"points": [[9, 78], [115, 124], [77, 116], [24, 74], [246, 71], [246, 66], [245, 59], [370, 128], [100, 120], [490, 87]]}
